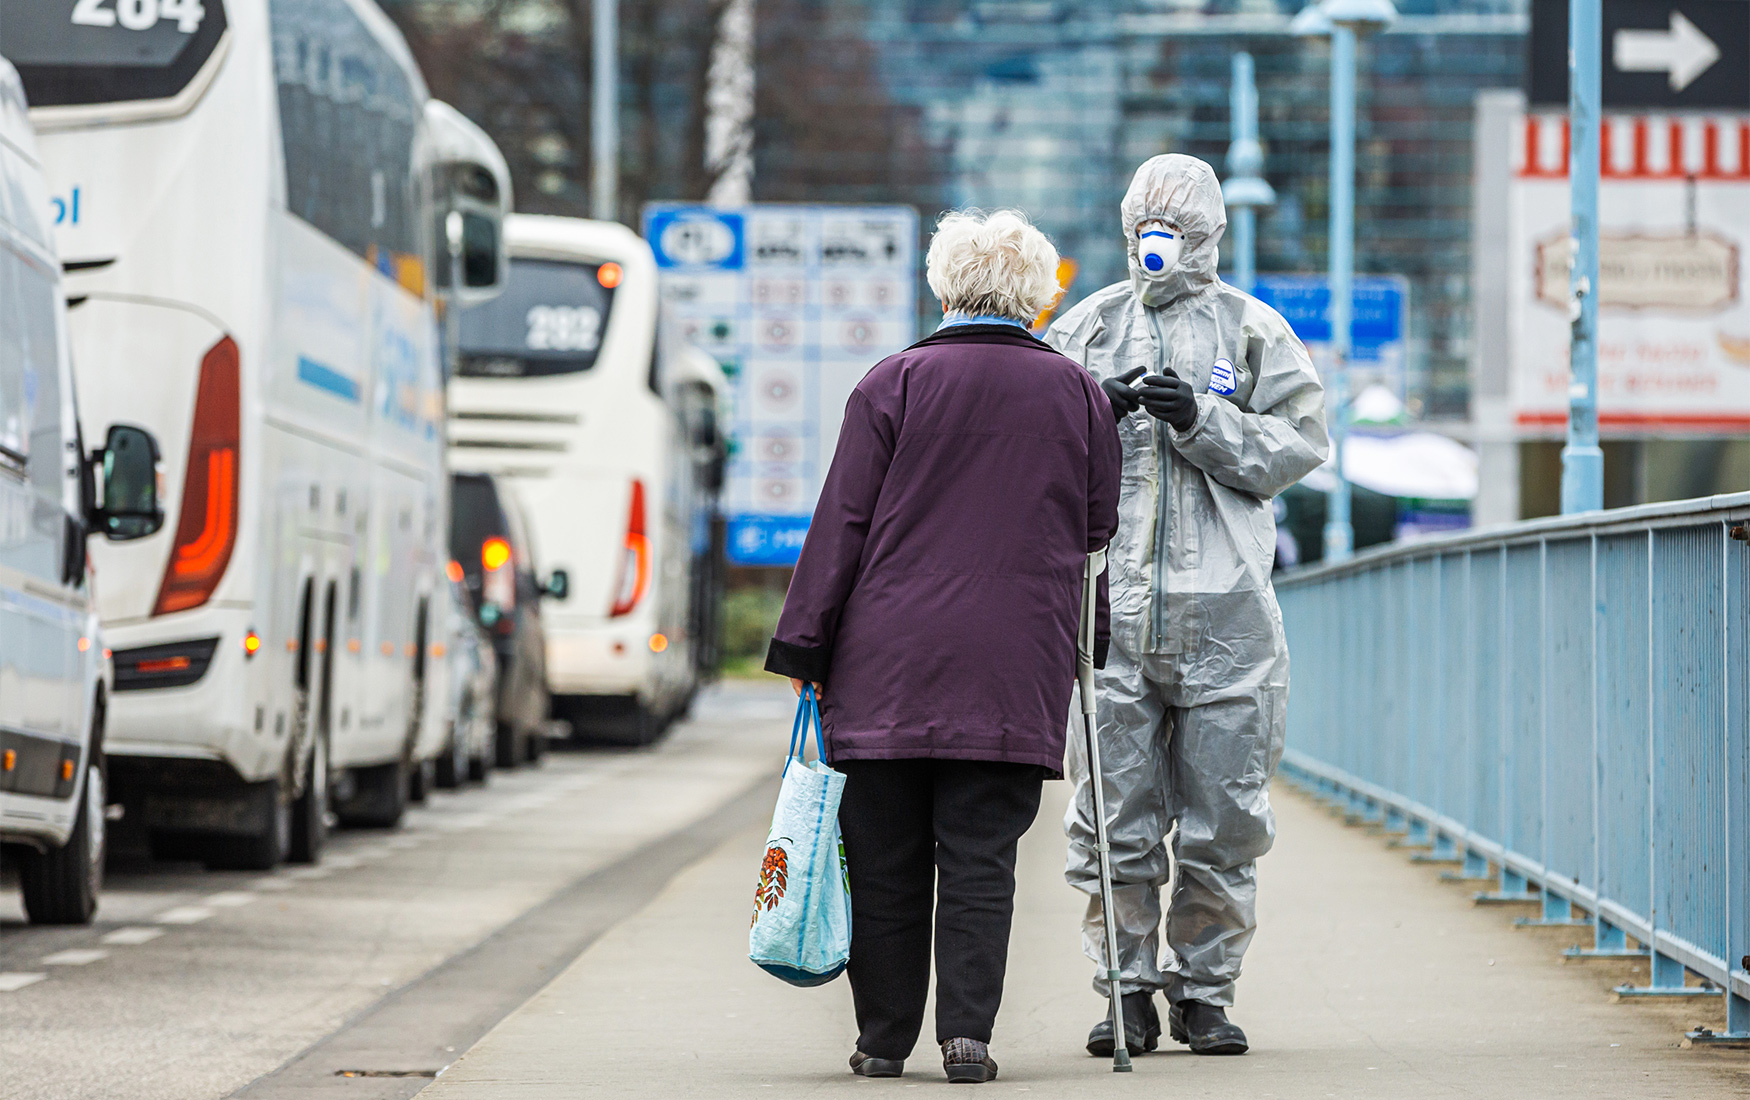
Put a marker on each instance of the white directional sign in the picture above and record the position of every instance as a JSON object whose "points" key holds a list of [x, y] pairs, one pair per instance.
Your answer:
{"points": [[797, 303], [1682, 52]]}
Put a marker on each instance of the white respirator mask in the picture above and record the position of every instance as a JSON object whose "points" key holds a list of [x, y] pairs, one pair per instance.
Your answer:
{"points": [[1158, 246]]}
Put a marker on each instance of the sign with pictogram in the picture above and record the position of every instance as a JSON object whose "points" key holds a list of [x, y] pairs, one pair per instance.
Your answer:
{"points": [[797, 303], [1658, 54], [1673, 323]]}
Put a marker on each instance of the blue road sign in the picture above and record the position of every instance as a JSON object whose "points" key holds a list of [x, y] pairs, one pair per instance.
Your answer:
{"points": [[1381, 306], [696, 238]]}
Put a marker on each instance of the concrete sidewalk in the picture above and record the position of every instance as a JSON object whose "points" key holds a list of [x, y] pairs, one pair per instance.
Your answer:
{"points": [[1369, 978]]}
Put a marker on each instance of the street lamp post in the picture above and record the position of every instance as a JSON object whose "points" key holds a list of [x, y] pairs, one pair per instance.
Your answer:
{"points": [[1343, 21], [1582, 460], [1246, 188], [604, 136]]}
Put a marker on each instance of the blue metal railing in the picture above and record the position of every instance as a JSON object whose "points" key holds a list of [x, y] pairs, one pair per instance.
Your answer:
{"points": [[1565, 701]]}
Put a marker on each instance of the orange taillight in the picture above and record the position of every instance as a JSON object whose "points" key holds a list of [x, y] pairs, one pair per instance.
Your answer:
{"points": [[609, 275], [454, 571], [206, 530], [635, 560], [494, 552]]}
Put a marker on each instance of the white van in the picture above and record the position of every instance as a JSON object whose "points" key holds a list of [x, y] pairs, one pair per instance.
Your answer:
{"points": [[54, 681], [245, 209], [571, 390]]}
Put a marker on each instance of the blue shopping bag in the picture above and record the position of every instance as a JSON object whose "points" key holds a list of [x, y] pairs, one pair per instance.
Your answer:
{"points": [[802, 905]]}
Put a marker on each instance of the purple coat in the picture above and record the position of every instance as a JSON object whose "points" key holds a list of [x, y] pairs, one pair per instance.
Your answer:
{"points": [[938, 592]]}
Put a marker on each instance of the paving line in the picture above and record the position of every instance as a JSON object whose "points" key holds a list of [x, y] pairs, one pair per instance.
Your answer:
{"points": [[74, 956], [183, 914], [229, 899], [131, 937], [11, 981]]}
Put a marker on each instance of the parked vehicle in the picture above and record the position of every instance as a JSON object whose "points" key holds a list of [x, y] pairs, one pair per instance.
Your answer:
{"points": [[570, 389], [473, 678], [489, 537], [471, 182], [54, 680], [244, 200]]}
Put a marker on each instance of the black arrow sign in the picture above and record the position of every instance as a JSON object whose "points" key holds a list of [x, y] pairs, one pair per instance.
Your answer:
{"points": [[1658, 54]]}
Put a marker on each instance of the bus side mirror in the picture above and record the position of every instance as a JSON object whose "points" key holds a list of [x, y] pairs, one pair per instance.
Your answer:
{"points": [[558, 585], [130, 506]]}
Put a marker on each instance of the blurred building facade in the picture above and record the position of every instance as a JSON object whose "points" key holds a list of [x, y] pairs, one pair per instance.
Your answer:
{"points": [[1043, 104]]}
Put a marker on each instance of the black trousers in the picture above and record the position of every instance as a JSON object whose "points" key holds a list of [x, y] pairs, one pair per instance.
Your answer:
{"points": [[919, 832]]}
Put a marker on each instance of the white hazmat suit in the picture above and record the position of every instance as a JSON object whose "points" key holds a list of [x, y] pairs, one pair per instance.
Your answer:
{"points": [[1192, 698]]}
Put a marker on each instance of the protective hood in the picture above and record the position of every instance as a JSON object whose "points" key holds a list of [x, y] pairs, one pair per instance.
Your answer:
{"points": [[1184, 192]]}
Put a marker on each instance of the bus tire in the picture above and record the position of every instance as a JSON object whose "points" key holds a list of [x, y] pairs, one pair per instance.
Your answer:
{"points": [[452, 764], [419, 780], [479, 767], [61, 886], [507, 746], [310, 809], [379, 797], [260, 851]]}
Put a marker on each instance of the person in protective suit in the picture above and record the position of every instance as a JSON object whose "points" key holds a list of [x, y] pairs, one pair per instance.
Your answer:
{"points": [[1192, 697]]}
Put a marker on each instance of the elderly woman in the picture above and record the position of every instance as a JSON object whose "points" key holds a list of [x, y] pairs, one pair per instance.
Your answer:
{"points": [[936, 603]]}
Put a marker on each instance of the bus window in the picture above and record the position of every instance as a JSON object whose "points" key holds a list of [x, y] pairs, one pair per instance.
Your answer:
{"points": [[71, 52], [348, 115], [549, 320]]}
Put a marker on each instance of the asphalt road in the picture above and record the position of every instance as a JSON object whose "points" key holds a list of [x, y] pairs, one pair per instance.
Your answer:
{"points": [[368, 974]]}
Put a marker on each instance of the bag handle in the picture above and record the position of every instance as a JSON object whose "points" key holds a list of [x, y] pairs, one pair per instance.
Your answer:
{"points": [[807, 707]]}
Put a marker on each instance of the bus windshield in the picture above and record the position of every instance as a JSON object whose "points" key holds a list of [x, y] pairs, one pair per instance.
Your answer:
{"points": [[549, 320], [71, 52]]}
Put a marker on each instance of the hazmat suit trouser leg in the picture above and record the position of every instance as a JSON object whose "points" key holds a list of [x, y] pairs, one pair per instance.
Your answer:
{"points": [[1206, 767]]}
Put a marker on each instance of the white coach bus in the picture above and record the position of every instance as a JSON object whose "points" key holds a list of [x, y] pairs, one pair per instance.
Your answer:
{"points": [[244, 204], [571, 389]]}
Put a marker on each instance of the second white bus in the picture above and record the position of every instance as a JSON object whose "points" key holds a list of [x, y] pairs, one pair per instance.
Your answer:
{"points": [[572, 389]]}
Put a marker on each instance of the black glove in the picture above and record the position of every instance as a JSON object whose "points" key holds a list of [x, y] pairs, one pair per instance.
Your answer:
{"points": [[1123, 398], [1168, 397]]}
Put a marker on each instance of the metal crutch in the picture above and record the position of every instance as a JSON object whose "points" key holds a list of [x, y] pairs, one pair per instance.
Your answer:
{"points": [[1097, 780]]}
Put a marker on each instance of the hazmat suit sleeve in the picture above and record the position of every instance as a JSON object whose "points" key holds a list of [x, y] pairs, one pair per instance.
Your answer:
{"points": [[826, 571], [1278, 436]]}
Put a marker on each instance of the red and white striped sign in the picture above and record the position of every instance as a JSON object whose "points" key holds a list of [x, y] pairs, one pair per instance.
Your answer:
{"points": [[1641, 147]]}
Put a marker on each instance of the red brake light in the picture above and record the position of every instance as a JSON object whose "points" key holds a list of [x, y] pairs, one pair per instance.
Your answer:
{"points": [[454, 571], [494, 552], [635, 560], [206, 530]]}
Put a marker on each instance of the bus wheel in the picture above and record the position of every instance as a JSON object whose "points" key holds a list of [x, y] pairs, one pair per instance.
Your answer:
{"points": [[506, 746], [379, 797], [479, 767], [452, 763], [61, 886], [259, 851], [310, 811], [419, 780]]}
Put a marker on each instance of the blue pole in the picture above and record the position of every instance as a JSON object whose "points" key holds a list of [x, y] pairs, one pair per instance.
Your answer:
{"points": [[1245, 222], [1582, 460], [1339, 533], [1243, 108]]}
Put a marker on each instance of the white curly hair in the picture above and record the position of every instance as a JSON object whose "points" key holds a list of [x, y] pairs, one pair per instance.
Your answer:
{"points": [[994, 264]]}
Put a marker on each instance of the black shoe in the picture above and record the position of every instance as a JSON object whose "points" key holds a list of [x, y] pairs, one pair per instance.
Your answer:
{"points": [[864, 1066], [1206, 1028], [968, 1062], [1142, 1027]]}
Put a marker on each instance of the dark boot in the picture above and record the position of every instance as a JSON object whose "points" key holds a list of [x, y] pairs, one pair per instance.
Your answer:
{"points": [[1205, 1027], [1142, 1027], [864, 1066], [968, 1062]]}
